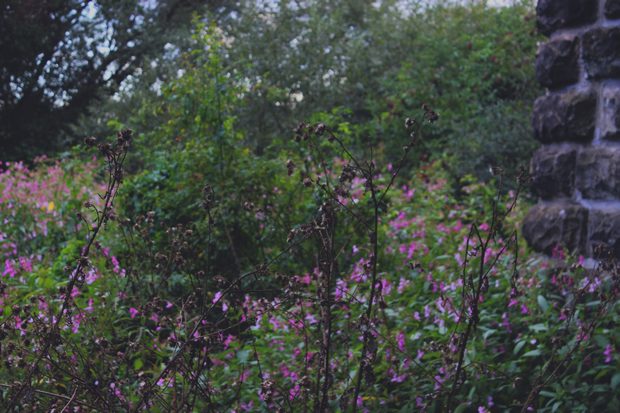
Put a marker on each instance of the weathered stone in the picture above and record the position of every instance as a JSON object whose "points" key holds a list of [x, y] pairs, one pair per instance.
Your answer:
{"points": [[604, 233], [553, 172], [612, 9], [601, 52], [557, 63], [566, 116], [598, 173], [559, 14], [551, 224], [610, 120]]}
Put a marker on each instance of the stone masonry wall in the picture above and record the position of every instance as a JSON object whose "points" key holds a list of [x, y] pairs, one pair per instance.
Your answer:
{"points": [[576, 171]]}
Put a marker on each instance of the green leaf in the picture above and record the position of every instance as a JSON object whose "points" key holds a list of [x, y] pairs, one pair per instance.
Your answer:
{"points": [[542, 302], [539, 327], [488, 333], [601, 340], [615, 381], [243, 356], [137, 364], [532, 353], [518, 347], [461, 407]]}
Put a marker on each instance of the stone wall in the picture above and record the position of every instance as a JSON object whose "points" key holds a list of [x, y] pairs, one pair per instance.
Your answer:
{"points": [[576, 171]]}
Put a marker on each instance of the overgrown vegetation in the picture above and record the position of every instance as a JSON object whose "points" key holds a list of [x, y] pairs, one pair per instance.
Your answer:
{"points": [[227, 259]]}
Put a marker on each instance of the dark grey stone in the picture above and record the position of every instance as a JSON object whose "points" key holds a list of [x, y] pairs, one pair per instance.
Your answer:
{"points": [[601, 52], [598, 173], [553, 172], [558, 14], [557, 63], [566, 116], [604, 233], [612, 9], [610, 120], [549, 225]]}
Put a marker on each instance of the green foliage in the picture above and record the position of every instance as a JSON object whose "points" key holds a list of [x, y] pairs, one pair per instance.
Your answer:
{"points": [[206, 290], [190, 141], [472, 63]]}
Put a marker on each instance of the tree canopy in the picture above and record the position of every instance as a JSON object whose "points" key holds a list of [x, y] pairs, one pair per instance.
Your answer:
{"points": [[59, 56]]}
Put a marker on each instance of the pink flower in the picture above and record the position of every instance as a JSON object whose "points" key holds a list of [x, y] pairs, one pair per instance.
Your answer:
{"points": [[228, 340], [306, 279], [91, 276], [25, 263], [294, 392], [133, 312], [75, 292], [524, 309], [401, 341], [9, 269], [608, 353], [506, 322]]}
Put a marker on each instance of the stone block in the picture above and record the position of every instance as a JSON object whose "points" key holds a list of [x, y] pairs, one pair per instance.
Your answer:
{"points": [[548, 225], [601, 52], [597, 174], [610, 119], [559, 14], [557, 63], [553, 172], [604, 233], [569, 116], [612, 9]]}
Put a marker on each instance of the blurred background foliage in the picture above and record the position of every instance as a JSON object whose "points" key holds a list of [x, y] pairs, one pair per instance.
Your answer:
{"points": [[370, 62]]}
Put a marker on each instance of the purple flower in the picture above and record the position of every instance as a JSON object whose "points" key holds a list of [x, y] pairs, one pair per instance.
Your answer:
{"points": [[609, 350], [401, 341], [9, 269]]}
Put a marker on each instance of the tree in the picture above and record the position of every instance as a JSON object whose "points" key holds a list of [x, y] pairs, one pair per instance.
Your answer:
{"points": [[57, 57]]}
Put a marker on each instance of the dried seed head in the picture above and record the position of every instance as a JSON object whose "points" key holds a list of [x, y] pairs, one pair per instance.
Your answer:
{"points": [[290, 167], [409, 123]]}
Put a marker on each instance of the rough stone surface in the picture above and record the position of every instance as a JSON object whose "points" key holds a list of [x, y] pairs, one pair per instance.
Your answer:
{"points": [[576, 173], [598, 173], [601, 53], [612, 9], [559, 14], [549, 225], [557, 63], [567, 116], [553, 172], [604, 233], [610, 120]]}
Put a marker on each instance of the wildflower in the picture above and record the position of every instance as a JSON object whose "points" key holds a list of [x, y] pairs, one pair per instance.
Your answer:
{"points": [[608, 353], [401, 341], [9, 269], [25, 263], [133, 312]]}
